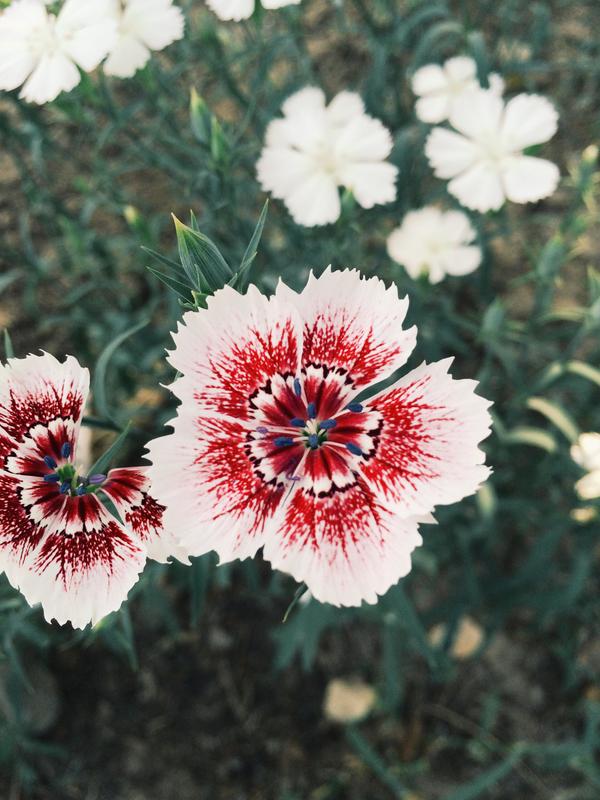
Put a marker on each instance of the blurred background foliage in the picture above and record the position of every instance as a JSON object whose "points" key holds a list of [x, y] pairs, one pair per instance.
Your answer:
{"points": [[483, 666]]}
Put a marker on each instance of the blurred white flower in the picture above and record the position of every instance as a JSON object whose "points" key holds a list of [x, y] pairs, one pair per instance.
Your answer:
{"points": [[242, 9], [42, 51], [485, 159], [142, 26], [317, 148], [438, 87], [586, 453], [436, 243]]}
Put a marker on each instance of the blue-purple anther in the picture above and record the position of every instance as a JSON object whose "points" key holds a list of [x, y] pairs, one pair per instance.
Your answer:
{"points": [[65, 450], [354, 449], [357, 408], [297, 387], [52, 478], [283, 441], [328, 424], [96, 480], [50, 462]]}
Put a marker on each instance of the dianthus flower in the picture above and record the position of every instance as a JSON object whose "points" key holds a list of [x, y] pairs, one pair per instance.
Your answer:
{"points": [[272, 446], [43, 51], [484, 156], [435, 243], [59, 544], [586, 453], [439, 87], [242, 9], [317, 148], [142, 26]]}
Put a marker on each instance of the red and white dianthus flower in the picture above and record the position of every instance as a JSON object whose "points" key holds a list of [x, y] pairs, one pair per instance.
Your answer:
{"points": [[271, 447], [59, 544]]}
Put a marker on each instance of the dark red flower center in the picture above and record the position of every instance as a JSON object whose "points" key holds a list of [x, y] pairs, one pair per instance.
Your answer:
{"points": [[308, 428]]}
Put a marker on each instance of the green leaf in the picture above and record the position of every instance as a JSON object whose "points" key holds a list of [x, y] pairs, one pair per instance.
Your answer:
{"points": [[557, 416], [99, 386], [239, 281], [584, 371], [201, 259], [200, 118], [487, 779], [100, 467], [536, 437], [9, 351]]}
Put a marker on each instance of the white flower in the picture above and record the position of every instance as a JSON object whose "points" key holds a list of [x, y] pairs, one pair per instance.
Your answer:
{"points": [[586, 453], [438, 87], [317, 148], [242, 9], [272, 447], [485, 158], [143, 25], [42, 51], [436, 243]]}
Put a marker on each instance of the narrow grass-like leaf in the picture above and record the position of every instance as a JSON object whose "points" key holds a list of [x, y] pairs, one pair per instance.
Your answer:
{"points": [[557, 416]]}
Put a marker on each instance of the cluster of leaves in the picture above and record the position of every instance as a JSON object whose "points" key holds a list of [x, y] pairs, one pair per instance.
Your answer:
{"points": [[86, 247]]}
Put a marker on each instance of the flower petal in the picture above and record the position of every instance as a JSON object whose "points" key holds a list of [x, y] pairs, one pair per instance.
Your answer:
{"points": [[87, 31], [428, 79], [527, 179], [352, 323], [449, 153], [477, 113], [433, 108], [231, 9], [54, 74], [315, 201], [371, 183], [83, 566], [37, 390], [233, 348], [479, 188], [156, 23], [215, 497], [528, 119], [586, 451], [126, 57], [281, 169], [129, 490], [427, 453], [279, 3], [345, 546]]}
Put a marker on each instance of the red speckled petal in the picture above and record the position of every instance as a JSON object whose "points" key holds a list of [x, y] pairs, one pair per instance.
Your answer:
{"points": [[36, 390], [344, 545], [427, 450], [215, 497], [80, 566], [129, 489], [352, 323], [232, 349]]}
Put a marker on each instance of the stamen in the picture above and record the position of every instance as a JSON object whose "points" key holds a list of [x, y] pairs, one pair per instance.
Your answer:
{"points": [[297, 387], [354, 449], [97, 479], [311, 410], [313, 440], [65, 450], [294, 478], [80, 490], [50, 462], [283, 441], [262, 430], [52, 478], [65, 487], [357, 408], [327, 424], [297, 422]]}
